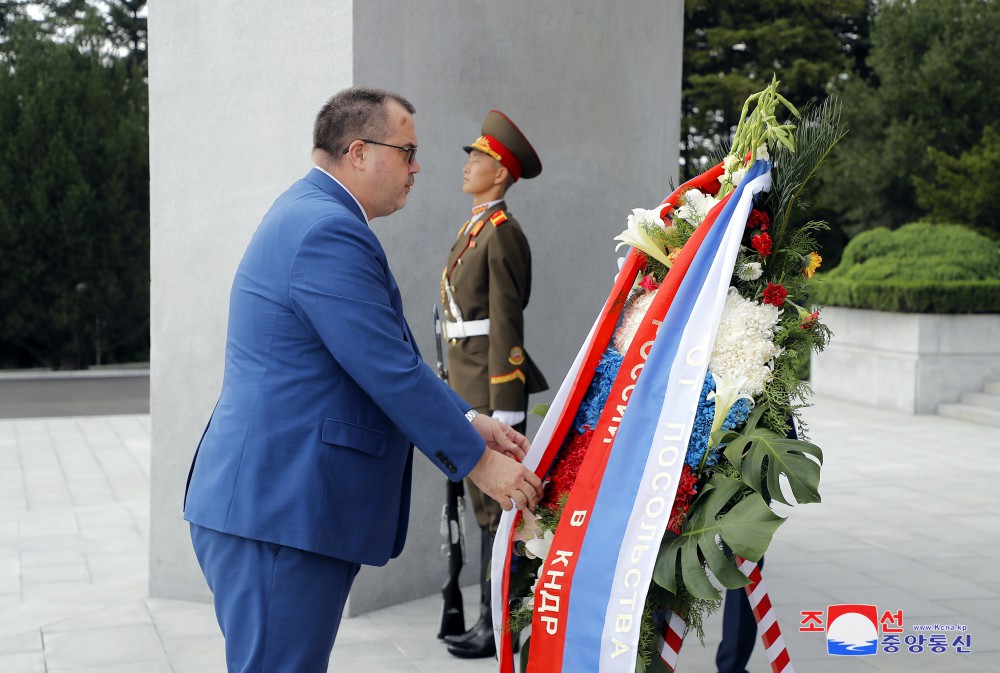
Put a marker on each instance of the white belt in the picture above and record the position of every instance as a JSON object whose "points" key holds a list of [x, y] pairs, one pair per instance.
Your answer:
{"points": [[466, 328]]}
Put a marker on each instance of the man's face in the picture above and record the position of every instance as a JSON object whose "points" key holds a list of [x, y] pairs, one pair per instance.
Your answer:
{"points": [[391, 175], [479, 174]]}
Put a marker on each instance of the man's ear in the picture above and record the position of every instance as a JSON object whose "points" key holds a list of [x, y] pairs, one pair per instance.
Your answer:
{"points": [[356, 152], [500, 175]]}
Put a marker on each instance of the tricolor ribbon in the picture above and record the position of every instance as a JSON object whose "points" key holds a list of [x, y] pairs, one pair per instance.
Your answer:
{"points": [[590, 596]]}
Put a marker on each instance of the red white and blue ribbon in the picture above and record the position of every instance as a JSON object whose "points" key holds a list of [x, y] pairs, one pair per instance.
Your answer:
{"points": [[592, 586]]}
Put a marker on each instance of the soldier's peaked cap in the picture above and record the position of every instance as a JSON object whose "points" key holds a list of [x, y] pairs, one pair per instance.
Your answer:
{"points": [[502, 140]]}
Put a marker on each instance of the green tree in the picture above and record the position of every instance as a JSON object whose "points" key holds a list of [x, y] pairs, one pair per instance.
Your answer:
{"points": [[74, 199], [933, 84], [732, 48], [961, 189]]}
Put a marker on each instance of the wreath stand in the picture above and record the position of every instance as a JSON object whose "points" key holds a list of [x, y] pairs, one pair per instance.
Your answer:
{"points": [[672, 634]]}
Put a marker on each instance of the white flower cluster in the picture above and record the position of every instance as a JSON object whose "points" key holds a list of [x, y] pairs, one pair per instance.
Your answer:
{"points": [[749, 271], [640, 222], [744, 347], [696, 205], [734, 171], [647, 218]]}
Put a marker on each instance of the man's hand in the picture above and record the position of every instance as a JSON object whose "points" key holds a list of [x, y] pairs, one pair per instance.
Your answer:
{"points": [[501, 437], [506, 480]]}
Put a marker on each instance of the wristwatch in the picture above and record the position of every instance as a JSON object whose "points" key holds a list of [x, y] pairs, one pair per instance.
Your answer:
{"points": [[470, 414]]}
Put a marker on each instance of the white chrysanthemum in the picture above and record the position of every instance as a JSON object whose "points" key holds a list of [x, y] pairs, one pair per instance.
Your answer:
{"points": [[749, 271], [744, 347], [631, 320]]}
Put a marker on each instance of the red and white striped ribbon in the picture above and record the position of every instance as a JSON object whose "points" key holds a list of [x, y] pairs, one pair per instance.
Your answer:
{"points": [[767, 622], [672, 634]]}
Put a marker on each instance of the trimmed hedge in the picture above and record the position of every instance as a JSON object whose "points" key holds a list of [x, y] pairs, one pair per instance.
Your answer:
{"points": [[919, 268], [953, 296]]}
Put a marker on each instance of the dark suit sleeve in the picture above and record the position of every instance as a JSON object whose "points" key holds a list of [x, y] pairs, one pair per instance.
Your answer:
{"points": [[339, 287]]}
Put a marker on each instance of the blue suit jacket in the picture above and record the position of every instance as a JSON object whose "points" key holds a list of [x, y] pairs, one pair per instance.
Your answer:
{"points": [[324, 394]]}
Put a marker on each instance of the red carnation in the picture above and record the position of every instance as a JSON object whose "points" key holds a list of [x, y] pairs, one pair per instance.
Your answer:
{"points": [[758, 220], [563, 474], [811, 321], [686, 489], [762, 243], [649, 284], [775, 294]]}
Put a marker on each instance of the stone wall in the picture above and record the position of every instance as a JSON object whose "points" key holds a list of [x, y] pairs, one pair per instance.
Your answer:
{"points": [[909, 362]]}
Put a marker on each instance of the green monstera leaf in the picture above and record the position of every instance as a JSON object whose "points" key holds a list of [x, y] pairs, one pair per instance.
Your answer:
{"points": [[746, 529], [748, 448], [540, 409]]}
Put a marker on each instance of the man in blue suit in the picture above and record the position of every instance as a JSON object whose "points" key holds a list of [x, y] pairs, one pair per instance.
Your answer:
{"points": [[303, 473]]}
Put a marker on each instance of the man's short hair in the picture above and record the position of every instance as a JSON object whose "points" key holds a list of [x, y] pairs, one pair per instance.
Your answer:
{"points": [[358, 112]]}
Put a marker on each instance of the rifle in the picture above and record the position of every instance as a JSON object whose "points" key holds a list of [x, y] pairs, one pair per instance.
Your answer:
{"points": [[452, 527]]}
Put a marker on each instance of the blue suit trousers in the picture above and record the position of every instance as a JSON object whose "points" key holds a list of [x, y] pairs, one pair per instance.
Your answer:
{"points": [[279, 607]]}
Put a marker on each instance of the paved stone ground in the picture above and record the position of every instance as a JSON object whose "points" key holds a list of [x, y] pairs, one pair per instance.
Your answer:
{"points": [[908, 522]]}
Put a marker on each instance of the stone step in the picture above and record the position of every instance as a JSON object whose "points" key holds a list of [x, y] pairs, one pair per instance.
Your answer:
{"points": [[971, 413], [984, 400], [992, 387]]}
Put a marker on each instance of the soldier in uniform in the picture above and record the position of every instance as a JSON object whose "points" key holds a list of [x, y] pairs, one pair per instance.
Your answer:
{"points": [[484, 289]]}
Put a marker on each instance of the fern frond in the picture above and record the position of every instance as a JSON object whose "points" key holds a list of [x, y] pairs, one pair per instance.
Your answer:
{"points": [[818, 132]]}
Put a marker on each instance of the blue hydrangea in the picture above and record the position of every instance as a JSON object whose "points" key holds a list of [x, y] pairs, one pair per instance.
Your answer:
{"points": [[597, 394], [702, 427]]}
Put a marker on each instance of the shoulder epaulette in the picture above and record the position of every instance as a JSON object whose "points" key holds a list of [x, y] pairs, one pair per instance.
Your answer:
{"points": [[498, 218]]}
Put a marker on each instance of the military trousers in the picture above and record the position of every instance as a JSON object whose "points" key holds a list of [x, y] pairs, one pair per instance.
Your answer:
{"points": [[487, 509]]}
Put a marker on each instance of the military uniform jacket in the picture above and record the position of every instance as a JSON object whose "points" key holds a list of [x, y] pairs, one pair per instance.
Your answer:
{"points": [[489, 274]]}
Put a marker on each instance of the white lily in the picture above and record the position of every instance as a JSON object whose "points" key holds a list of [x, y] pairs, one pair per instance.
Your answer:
{"points": [[539, 547], [529, 600], [696, 206], [638, 237], [726, 394], [529, 528]]}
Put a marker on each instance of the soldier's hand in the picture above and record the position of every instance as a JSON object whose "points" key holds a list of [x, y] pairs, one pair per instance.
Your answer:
{"points": [[506, 481], [501, 437]]}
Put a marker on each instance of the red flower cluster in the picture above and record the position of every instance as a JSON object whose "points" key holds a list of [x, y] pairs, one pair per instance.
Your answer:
{"points": [[758, 220], [762, 243], [775, 294], [649, 284], [563, 474], [811, 321], [687, 487]]}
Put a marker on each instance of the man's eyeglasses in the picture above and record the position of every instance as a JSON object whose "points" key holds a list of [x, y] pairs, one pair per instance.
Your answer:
{"points": [[411, 152]]}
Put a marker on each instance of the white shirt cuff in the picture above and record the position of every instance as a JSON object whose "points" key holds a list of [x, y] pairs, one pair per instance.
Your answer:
{"points": [[508, 417]]}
